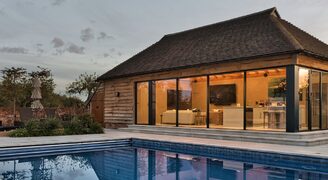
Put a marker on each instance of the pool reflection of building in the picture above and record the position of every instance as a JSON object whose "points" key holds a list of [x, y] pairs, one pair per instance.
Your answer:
{"points": [[149, 164], [142, 164]]}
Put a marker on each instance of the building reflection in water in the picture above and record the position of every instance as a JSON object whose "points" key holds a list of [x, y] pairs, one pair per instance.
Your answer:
{"points": [[143, 164]]}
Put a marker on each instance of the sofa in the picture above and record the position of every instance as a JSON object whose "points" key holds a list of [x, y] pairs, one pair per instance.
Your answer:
{"points": [[186, 117]]}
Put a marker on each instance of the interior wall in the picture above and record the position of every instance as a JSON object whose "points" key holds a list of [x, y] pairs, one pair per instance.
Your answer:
{"points": [[161, 102], [142, 103], [199, 95], [257, 86]]}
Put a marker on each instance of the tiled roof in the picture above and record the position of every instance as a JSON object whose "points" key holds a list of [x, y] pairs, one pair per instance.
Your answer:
{"points": [[259, 34]]}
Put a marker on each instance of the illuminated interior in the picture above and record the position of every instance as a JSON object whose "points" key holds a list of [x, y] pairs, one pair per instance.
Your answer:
{"points": [[217, 101]]}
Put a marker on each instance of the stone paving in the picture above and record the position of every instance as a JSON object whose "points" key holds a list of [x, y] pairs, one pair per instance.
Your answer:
{"points": [[314, 151]]}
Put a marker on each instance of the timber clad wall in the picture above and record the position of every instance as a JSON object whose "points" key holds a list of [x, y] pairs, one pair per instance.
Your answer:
{"points": [[118, 111], [97, 105]]}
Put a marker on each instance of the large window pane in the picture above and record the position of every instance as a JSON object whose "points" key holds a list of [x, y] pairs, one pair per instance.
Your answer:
{"points": [[303, 91], [226, 101], [192, 101], [315, 99], [142, 103], [324, 100], [266, 99], [166, 102]]}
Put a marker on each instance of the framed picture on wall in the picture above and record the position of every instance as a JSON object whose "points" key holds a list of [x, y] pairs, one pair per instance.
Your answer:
{"points": [[184, 99], [223, 94]]}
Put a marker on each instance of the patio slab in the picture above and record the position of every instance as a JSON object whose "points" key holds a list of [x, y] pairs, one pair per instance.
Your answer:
{"points": [[312, 138], [313, 151]]}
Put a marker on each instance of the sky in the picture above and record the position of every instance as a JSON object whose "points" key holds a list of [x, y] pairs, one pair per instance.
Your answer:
{"points": [[71, 37]]}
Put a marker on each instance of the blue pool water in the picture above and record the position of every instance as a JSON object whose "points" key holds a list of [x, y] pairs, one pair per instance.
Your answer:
{"points": [[138, 163]]}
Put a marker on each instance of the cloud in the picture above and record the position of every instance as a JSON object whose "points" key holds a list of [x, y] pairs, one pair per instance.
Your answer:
{"points": [[92, 21], [103, 35], [23, 4], [13, 50], [87, 35], [106, 55], [3, 12], [57, 2], [57, 42], [39, 48], [59, 52], [73, 48]]}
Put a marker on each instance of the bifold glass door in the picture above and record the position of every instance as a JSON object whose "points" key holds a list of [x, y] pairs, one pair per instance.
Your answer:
{"points": [[165, 102], [266, 99], [255, 100], [324, 115], [226, 101], [142, 106], [315, 100]]}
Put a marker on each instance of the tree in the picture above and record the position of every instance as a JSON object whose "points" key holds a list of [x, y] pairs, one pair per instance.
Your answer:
{"points": [[12, 82], [16, 88], [86, 84]]}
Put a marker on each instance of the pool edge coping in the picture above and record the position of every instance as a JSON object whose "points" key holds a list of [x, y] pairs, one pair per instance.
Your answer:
{"points": [[253, 150]]}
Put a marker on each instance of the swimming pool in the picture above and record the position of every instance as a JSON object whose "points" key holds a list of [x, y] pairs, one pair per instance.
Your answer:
{"points": [[141, 159]]}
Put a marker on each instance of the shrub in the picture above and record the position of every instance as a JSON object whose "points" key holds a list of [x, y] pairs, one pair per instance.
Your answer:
{"points": [[33, 127], [46, 127], [22, 132], [96, 128], [50, 124], [74, 127], [83, 124]]}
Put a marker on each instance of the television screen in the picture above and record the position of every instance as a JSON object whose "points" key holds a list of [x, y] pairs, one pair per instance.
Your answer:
{"points": [[223, 94]]}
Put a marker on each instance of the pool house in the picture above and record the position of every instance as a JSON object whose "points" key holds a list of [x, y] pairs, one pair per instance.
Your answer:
{"points": [[255, 72]]}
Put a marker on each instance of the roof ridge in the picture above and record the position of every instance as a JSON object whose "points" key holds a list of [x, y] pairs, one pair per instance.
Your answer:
{"points": [[271, 10], [304, 31], [290, 37]]}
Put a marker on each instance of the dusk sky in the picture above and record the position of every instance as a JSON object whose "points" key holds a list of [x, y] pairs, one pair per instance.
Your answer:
{"points": [[75, 36]]}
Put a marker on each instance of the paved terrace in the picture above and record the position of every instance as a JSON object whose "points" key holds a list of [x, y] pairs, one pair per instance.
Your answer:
{"points": [[110, 134]]}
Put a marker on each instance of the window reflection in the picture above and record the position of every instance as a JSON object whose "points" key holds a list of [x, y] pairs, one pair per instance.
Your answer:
{"points": [[168, 165]]}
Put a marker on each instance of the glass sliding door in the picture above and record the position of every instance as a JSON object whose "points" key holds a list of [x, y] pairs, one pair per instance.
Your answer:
{"points": [[192, 101], [266, 99], [166, 100], [142, 103], [315, 100], [303, 90], [226, 101], [324, 115]]}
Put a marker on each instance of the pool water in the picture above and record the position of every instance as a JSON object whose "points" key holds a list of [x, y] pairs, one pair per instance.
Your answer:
{"points": [[138, 163]]}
